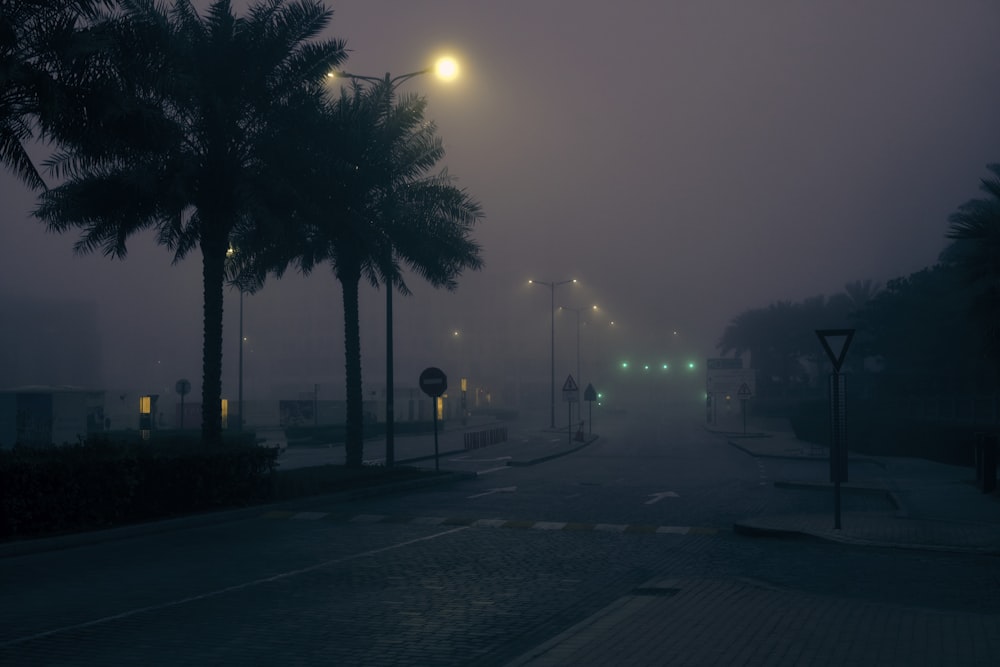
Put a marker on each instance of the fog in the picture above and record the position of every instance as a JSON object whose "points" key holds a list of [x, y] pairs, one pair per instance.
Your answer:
{"points": [[683, 161]]}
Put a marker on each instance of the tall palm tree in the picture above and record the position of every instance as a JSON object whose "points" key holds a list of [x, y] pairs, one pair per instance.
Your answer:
{"points": [[35, 36], [196, 104], [372, 211], [975, 228]]}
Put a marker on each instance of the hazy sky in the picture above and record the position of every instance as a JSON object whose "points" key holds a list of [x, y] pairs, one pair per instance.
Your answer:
{"points": [[685, 161]]}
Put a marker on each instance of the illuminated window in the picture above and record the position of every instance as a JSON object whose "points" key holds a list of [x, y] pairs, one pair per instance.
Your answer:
{"points": [[225, 413]]}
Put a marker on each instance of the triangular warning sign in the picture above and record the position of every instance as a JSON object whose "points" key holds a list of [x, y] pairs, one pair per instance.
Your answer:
{"points": [[837, 359], [570, 384]]}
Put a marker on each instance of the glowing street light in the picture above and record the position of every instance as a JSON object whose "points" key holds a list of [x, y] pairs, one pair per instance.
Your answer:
{"points": [[446, 69]]}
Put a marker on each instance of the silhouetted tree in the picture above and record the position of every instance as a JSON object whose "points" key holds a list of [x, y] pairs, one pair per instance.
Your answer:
{"points": [[975, 228], [369, 210], [193, 105], [37, 38]]}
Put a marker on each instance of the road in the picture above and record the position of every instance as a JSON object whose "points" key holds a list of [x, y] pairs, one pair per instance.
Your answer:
{"points": [[480, 571]]}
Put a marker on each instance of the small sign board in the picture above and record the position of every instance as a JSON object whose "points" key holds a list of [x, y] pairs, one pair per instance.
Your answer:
{"points": [[728, 382], [744, 391], [433, 382], [590, 394], [571, 391], [825, 336]]}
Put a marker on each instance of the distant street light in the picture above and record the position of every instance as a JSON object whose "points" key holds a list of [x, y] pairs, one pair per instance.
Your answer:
{"points": [[552, 288], [446, 68], [579, 378]]}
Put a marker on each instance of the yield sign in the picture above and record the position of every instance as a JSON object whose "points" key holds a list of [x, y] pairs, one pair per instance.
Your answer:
{"points": [[837, 359]]}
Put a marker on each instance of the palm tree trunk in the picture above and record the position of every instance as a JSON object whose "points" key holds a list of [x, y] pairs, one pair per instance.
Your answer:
{"points": [[352, 354], [213, 270]]}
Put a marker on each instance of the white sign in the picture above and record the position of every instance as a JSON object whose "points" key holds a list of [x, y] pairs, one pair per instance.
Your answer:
{"points": [[729, 382]]}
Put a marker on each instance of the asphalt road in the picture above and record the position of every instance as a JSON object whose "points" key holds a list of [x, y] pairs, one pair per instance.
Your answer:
{"points": [[476, 572]]}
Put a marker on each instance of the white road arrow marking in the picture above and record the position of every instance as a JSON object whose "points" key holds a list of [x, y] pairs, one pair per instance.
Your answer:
{"points": [[657, 497], [505, 489]]}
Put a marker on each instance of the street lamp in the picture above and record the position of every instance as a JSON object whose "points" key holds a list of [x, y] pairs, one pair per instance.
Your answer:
{"points": [[552, 288], [579, 378], [446, 68], [230, 253]]}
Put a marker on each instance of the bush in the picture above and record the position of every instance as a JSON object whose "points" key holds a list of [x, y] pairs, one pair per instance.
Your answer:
{"points": [[103, 483], [872, 430]]}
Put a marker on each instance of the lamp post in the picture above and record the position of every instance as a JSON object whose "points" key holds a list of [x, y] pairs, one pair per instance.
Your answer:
{"points": [[445, 68], [579, 378], [230, 253], [552, 289]]}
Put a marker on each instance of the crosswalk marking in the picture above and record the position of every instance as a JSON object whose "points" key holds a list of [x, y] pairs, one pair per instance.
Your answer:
{"points": [[492, 523]]}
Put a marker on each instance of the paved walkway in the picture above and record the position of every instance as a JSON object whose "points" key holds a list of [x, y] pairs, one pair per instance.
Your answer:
{"points": [[937, 506], [676, 621]]}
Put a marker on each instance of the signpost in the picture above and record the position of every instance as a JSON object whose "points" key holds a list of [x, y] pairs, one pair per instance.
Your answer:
{"points": [[590, 395], [183, 387], [571, 394], [838, 448], [744, 392], [434, 383], [724, 378]]}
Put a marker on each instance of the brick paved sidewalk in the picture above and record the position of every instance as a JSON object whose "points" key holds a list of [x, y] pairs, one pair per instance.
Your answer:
{"points": [[676, 622], [937, 506]]}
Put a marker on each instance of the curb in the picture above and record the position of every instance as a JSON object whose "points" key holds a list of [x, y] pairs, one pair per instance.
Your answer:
{"points": [[549, 457]]}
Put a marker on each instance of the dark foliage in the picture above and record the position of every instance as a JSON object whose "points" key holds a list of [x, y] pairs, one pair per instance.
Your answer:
{"points": [[101, 483]]}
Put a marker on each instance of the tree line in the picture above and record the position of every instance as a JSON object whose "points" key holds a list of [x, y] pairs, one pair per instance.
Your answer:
{"points": [[218, 134], [935, 331]]}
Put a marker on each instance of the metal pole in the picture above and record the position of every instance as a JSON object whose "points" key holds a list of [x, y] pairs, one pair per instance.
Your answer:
{"points": [[835, 450], [239, 397], [569, 423], [552, 286], [389, 388], [437, 466], [579, 381]]}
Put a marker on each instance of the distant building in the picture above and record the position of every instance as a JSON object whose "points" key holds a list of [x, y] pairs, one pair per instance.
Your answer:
{"points": [[49, 342], [42, 416]]}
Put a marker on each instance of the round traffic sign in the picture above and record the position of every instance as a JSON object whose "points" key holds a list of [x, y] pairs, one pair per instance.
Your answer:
{"points": [[433, 381], [182, 387]]}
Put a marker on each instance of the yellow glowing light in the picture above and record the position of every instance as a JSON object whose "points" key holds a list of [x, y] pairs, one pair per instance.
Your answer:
{"points": [[446, 68]]}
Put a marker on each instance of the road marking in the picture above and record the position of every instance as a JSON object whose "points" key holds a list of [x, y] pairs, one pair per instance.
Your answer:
{"points": [[466, 459], [549, 525], [505, 489], [494, 522], [227, 589], [657, 497], [489, 470]]}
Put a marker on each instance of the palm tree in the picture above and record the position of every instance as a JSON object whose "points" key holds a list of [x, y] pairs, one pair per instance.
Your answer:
{"points": [[35, 36], [196, 105], [975, 228], [373, 211]]}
